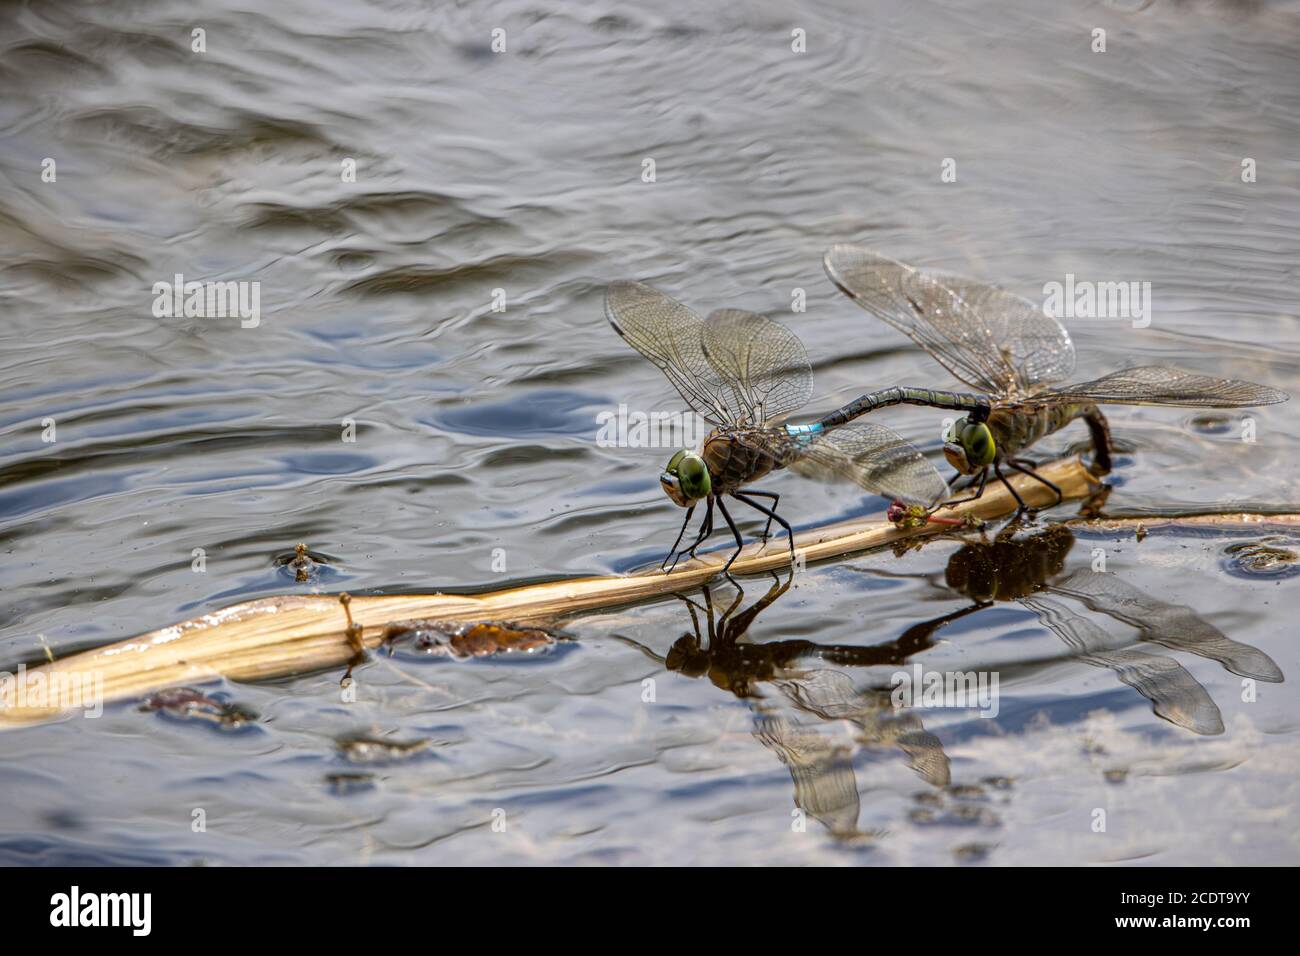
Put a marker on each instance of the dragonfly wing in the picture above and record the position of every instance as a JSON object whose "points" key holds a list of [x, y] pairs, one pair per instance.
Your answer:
{"points": [[762, 363], [926, 311], [986, 336], [1160, 385], [671, 336], [1035, 345], [871, 456]]}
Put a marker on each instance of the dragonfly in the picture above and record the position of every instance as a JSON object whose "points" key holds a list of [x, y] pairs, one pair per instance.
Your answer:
{"points": [[745, 374], [1013, 353]]}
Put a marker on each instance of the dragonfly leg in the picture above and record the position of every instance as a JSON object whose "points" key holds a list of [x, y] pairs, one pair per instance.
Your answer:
{"points": [[979, 491], [706, 529], [1020, 466], [663, 565], [765, 494], [997, 467], [740, 542], [1101, 444], [771, 516]]}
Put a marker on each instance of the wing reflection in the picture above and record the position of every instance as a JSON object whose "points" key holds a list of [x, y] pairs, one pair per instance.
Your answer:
{"points": [[1171, 625], [1029, 568], [832, 695], [824, 783], [1175, 694]]}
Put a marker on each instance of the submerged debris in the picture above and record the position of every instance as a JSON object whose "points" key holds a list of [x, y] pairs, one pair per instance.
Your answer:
{"points": [[1265, 557], [973, 852], [1214, 422], [467, 640], [957, 805], [186, 703], [302, 565], [354, 633], [373, 750], [343, 784], [958, 815]]}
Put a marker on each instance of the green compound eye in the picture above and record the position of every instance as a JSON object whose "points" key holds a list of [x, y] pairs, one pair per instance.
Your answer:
{"points": [[977, 441], [692, 473]]}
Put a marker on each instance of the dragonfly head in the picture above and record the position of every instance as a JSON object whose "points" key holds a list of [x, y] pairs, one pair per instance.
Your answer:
{"points": [[686, 478], [969, 446]]}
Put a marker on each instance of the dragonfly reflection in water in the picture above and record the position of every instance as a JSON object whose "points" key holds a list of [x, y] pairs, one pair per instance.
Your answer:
{"points": [[821, 769], [1029, 570], [745, 373], [1011, 351]]}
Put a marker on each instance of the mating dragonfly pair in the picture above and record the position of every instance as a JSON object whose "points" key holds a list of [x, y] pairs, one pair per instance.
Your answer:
{"points": [[745, 374]]}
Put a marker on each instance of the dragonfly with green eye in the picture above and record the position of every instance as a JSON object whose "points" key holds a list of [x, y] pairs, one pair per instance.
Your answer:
{"points": [[1013, 352], [744, 374]]}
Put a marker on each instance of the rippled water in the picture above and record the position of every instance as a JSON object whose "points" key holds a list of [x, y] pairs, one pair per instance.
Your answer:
{"points": [[475, 429]]}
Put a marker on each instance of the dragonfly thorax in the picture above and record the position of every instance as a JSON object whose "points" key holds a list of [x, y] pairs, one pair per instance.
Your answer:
{"points": [[735, 458]]}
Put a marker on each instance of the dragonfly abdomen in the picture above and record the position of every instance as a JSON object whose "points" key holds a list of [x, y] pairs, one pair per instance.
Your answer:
{"points": [[904, 395]]}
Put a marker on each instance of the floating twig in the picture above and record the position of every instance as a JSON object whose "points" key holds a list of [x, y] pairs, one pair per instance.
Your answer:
{"points": [[299, 633]]}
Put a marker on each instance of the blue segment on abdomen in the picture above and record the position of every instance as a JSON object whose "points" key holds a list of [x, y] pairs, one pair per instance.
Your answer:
{"points": [[811, 429]]}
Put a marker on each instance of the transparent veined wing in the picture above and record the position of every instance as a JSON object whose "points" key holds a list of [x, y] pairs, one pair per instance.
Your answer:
{"points": [[761, 362], [670, 335], [1161, 385], [987, 337], [1036, 346], [869, 455]]}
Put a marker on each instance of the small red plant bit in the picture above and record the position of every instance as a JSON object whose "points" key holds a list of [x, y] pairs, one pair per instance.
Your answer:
{"points": [[951, 522]]}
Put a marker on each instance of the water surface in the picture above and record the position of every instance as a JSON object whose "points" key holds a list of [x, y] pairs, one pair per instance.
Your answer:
{"points": [[476, 430]]}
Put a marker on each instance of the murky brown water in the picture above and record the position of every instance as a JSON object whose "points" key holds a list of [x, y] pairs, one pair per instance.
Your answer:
{"points": [[475, 430]]}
